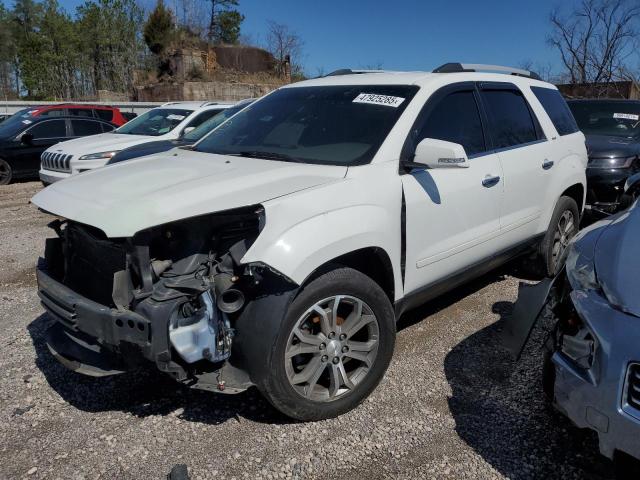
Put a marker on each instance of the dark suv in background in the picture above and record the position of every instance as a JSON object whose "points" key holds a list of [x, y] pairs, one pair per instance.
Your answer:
{"points": [[612, 128], [22, 141]]}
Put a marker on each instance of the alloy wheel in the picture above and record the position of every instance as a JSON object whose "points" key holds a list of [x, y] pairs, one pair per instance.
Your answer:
{"points": [[5, 173], [332, 348], [564, 232]]}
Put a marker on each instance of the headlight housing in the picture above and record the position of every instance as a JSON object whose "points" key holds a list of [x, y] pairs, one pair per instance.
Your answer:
{"points": [[581, 270], [99, 155], [618, 162]]}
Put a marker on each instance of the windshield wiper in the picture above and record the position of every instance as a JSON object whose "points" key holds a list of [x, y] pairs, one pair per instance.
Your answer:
{"points": [[269, 156]]}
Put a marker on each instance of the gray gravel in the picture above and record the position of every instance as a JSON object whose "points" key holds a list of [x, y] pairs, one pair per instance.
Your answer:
{"points": [[452, 405]]}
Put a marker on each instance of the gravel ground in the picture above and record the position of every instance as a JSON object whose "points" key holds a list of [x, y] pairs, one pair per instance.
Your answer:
{"points": [[452, 404]]}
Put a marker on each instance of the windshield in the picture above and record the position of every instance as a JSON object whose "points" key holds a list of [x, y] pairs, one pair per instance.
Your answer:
{"points": [[155, 122], [16, 123], [335, 125], [199, 132], [618, 119]]}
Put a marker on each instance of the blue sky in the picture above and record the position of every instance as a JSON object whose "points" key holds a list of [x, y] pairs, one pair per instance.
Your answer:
{"points": [[405, 34]]}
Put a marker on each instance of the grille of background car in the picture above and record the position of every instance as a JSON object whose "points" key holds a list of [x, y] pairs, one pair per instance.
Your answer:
{"points": [[56, 161], [633, 390]]}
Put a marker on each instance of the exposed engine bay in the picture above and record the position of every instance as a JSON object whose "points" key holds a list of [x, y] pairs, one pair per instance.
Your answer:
{"points": [[170, 294]]}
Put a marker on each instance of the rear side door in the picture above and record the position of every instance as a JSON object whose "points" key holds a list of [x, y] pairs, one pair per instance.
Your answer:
{"points": [[84, 128], [522, 148], [452, 214], [44, 134]]}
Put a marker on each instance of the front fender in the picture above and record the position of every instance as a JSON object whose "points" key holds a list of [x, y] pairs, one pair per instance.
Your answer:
{"points": [[306, 231]]}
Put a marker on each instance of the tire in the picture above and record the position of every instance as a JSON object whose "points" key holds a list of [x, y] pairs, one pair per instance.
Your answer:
{"points": [[6, 173], [564, 225], [312, 353]]}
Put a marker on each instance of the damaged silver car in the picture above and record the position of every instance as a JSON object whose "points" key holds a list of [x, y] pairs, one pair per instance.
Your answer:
{"points": [[591, 368]]}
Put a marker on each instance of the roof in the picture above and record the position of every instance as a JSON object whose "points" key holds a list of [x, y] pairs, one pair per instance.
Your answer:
{"points": [[196, 105], [413, 78]]}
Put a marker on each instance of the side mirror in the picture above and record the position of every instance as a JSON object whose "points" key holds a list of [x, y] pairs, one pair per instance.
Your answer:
{"points": [[434, 153], [27, 138], [632, 185], [188, 130]]}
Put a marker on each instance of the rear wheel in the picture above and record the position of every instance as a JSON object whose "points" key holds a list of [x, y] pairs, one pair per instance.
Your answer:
{"points": [[563, 227], [333, 347], [6, 173]]}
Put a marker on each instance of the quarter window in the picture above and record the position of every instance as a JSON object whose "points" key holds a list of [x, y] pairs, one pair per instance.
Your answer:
{"points": [[510, 120], [456, 119], [104, 114], [557, 109], [51, 129], [81, 112]]}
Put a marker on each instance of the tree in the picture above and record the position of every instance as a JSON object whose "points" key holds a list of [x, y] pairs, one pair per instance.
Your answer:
{"points": [[227, 28], [8, 56], [158, 30], [218, 7], [283, 43], [597, 40]]}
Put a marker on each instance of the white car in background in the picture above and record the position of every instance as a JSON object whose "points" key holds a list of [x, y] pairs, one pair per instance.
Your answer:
{"points": [[167, 122]]}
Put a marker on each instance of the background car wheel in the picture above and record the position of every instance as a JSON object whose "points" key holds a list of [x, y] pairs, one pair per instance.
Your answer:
{"points": [[562, 228], [6, 174], [333, 347]]}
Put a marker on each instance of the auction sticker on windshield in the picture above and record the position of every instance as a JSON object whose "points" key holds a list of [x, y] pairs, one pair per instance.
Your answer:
{"points": [[375, 99], [627, 116]]}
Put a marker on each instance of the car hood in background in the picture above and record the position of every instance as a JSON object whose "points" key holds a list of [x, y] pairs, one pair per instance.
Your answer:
{"points": [[125, 198], [603, 146], [103, 142], [617, 260]]}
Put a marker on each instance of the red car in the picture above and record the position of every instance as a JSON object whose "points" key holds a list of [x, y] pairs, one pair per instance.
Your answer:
{"points": [[103, 112]]}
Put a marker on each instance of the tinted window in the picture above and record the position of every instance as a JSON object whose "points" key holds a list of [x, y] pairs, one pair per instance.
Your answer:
{"points": [[82, 128], [334, 125], [52, 113], [106, 127], [81, 112], [557, 109], [104, 114], [456, 119], [509, 117], [50, 129]]}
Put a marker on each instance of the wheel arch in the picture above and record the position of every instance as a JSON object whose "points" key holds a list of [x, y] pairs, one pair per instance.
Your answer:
{"points": [[374, 262], [577, 192]]}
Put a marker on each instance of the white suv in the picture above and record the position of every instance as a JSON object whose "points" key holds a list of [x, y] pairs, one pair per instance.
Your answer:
{"points": [[281, 249], [168, 122]]}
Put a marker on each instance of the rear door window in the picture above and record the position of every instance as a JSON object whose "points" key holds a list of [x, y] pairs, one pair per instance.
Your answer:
{"points": [[82, 128], [56, 112], [81, 112], [557, 109], [104, 114], [510, 120], [456, 119], [49, 129]]}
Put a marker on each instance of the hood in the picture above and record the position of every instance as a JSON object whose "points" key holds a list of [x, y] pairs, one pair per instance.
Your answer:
{"points": [[127, 197], [617, 260], [103, 142], [604, 146]]}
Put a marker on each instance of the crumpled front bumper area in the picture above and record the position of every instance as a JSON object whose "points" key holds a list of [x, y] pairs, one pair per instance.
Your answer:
{"points": [[597, 388], [87, 336]]}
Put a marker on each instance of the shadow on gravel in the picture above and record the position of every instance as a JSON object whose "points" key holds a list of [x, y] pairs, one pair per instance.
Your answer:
{"points": [[146, 392], [500, 411]]}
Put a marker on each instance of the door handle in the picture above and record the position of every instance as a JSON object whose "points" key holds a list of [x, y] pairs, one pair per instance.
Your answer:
{"points": [[547, 164], [490, 180]]}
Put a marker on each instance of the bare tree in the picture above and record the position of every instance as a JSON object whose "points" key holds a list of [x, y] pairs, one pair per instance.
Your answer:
{"points": [[597, 40], [281, 42]]}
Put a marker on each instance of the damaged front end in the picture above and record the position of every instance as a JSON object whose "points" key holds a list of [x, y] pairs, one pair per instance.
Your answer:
{"points": [[591, 349], [169, 295]]}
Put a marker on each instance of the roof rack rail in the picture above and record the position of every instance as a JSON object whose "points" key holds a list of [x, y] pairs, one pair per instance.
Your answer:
{"points": [[349, 71], [477, 67]]}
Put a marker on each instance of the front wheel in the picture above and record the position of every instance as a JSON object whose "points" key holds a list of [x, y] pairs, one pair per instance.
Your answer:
{"points": [[562, 228], [6, 174], [333, 347]]}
